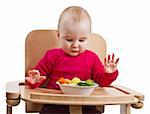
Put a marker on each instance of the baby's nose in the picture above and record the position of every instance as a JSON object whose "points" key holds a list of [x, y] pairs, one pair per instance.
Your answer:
{"points": [[75, 44]]}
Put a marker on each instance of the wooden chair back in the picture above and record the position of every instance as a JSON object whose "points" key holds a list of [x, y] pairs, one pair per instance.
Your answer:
{"points": [[39, 41]]}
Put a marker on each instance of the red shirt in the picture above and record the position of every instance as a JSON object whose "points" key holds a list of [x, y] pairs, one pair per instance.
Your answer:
{"points": [[55, 64]]}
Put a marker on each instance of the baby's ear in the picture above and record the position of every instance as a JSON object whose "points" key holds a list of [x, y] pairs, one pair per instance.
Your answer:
{"points": [[58, 34]]}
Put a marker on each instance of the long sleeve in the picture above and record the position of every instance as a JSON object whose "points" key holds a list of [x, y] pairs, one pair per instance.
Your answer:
{"points": [[100, 76], [44, 66]]}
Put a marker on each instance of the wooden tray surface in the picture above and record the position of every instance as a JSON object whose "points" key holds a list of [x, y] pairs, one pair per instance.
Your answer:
{"points": [[100, 96]]}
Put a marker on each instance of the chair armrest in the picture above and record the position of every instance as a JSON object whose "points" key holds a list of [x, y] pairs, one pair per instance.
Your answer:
{"points": [[138, 95], [13, 93]]}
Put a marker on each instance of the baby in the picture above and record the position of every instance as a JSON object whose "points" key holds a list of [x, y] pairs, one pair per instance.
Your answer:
{"points": [[72, 59]]}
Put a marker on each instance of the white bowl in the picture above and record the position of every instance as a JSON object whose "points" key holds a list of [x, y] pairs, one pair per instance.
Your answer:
{"points": [[76, 90]]}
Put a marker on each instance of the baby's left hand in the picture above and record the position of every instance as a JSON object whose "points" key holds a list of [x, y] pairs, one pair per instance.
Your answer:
{"points": [[110, 64]]}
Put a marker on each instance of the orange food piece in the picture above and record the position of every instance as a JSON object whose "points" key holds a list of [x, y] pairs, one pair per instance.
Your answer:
{"points": [[68, 81], [63, 81]]}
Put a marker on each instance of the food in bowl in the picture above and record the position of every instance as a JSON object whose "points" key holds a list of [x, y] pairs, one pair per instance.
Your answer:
{"points": [[76, 86]]}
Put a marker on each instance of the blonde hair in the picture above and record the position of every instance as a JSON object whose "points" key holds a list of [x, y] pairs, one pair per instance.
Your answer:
{"points": [[76, 14]]}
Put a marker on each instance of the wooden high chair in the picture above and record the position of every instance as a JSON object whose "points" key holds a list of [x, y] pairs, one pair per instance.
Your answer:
{"points": [[37, 42]]}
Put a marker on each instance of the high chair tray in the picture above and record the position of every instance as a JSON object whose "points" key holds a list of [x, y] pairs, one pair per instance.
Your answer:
{"points": [[100, 96], [114, 94]]}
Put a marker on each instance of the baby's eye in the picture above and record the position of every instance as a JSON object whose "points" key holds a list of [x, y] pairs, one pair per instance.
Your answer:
{"points": [[82, 40], [69, 40]]}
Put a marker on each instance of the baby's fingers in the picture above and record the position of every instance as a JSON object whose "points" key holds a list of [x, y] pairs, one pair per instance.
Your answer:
{"points": [[36, 72], [33, 73], [113, 56], [41, 78], [108, 58], [117, 60], [106, 62], [114, 63], [29, 80]]}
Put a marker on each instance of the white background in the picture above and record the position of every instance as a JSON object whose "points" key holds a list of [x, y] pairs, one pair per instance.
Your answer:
{"points": [[125, 25]]}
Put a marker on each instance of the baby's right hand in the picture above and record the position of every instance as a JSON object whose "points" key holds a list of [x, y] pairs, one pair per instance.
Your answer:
{"points": [[34, 77]]}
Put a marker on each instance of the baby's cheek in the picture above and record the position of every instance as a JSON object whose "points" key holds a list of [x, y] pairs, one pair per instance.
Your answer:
{"points": [[67, 46], [83, 48], [84, 45]]}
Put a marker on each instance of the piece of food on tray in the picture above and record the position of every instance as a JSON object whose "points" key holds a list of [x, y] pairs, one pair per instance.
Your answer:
{"points": [[76, 81], [90, 82], [62, 80], [76, 86]]}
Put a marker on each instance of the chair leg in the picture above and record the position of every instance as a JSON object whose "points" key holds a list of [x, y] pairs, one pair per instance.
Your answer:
{"points": [[75, 109], [125, 109], [9, 109], [100, 108]]}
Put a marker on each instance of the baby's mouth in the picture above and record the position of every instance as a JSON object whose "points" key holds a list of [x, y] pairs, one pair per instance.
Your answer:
{"points": [[75, 51]]}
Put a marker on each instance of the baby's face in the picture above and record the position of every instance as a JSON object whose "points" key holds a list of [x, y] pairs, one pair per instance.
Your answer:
{"points": [[73, 37]]}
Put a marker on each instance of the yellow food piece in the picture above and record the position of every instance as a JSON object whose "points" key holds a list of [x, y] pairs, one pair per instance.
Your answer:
{"points": [[68, 81], [75, 80], [90, 82]]}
